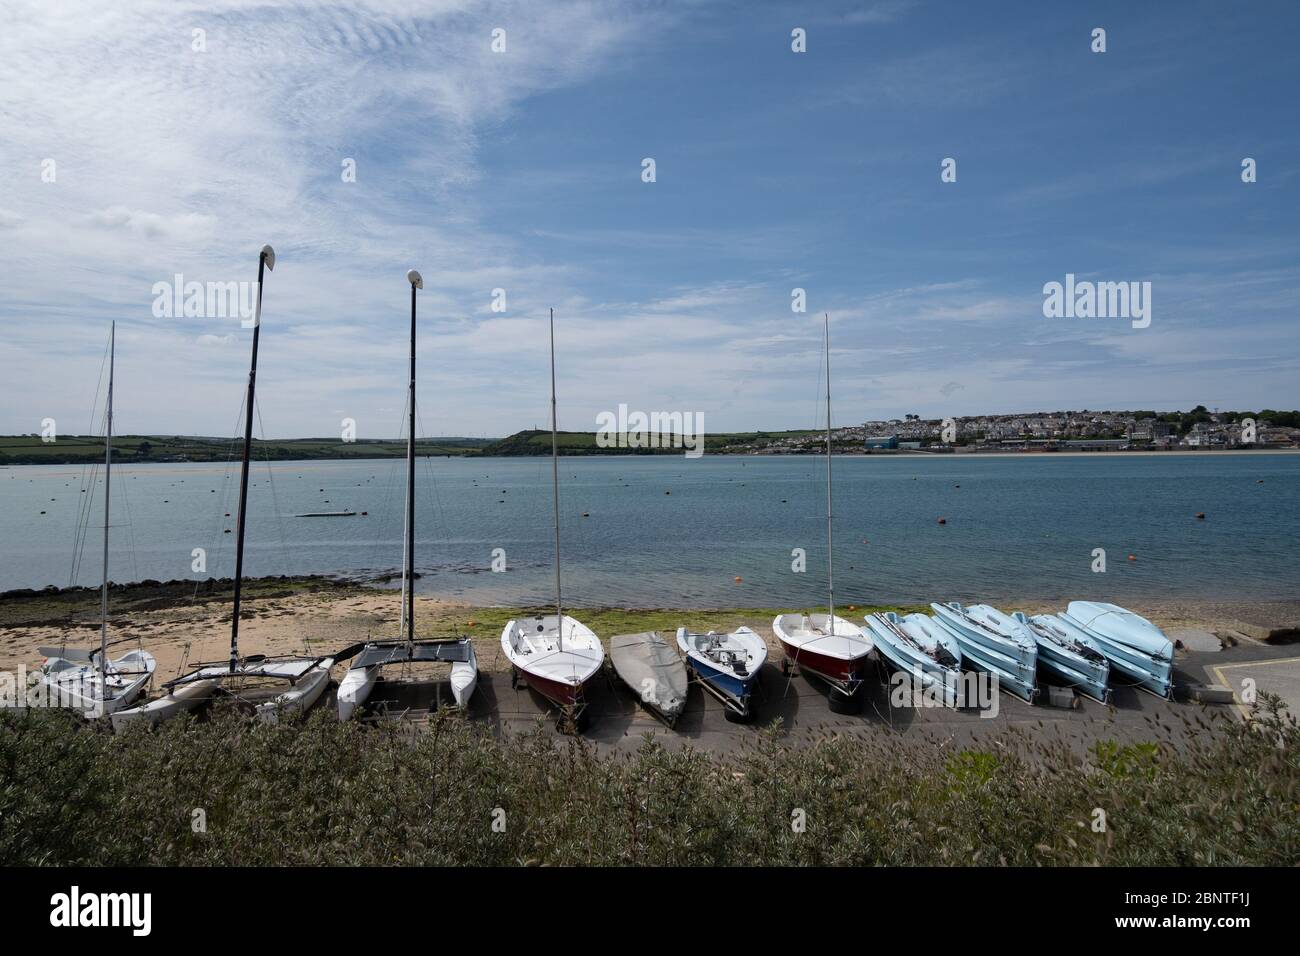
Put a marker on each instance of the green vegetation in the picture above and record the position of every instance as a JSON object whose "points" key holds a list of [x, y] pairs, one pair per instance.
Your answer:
{"points": [[321, 792], [537, 442], [83, 449]]}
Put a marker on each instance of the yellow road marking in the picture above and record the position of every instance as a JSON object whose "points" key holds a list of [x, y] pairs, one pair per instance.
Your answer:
{"points": [[1218, 672]]}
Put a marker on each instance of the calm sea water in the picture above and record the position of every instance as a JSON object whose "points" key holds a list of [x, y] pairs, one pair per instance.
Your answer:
{"points": [[674, 532]]}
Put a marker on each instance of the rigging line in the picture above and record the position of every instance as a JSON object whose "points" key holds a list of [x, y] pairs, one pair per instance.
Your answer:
{"points": [[275, 504], [432, 486], [81, 529], [215, 538]]}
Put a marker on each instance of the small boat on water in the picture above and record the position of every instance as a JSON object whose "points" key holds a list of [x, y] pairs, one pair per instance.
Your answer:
{"points": [[651, 667], [1134, 646], [829, 647], [918, 645], [91, 681], [1069, 655], [727, 665], [994, 642], [366, 670], [556, 655]]}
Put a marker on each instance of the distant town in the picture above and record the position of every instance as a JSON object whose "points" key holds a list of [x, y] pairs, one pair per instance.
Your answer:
{"points": [[1083, 430], [1200, 429]]}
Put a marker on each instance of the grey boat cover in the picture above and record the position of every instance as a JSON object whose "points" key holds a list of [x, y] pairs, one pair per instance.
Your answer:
{"points": [[652, 668]]}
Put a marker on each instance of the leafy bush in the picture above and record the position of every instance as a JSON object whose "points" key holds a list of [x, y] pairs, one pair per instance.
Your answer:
{"points": [[320, 792]]}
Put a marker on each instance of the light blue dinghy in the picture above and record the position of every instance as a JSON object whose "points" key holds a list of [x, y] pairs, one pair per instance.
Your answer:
{"points": [[919, 646], [1069, 655], [727, 665], [991, 641], [1135, 647]]}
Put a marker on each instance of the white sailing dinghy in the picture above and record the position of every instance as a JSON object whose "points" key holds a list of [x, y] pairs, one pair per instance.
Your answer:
{"points": [[556, 655], [830, 647], [272, 686], [89, 681], [364, 674]]}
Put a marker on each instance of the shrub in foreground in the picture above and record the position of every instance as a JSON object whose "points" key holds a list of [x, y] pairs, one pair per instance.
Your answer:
{"points": [[228, 791]]}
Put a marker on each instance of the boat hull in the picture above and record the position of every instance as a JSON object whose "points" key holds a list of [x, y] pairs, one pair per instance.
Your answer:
{"points": [[183, 698], [1014, 665], [944, 682], [845, 674], [732, 690], [1135, 647]]}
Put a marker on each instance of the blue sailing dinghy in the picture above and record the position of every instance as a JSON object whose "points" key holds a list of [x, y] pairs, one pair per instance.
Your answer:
{"points": [[1135, 647], [726, 664], [994, 642], [1069, 655], [919, 646]]}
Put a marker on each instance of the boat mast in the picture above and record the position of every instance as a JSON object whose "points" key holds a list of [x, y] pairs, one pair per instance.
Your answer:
{"points": [[108, 469], [555, 491], [265, 260], [830, 571], [408, 556]]}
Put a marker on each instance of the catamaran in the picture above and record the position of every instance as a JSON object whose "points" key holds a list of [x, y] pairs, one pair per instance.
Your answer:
{"points": [[832, 648], [256, 680], [87, 680], [364, 674], [554, 654]]}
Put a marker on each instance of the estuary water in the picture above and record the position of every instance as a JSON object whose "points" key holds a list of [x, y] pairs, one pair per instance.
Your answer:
{"points": [[641, 531]]}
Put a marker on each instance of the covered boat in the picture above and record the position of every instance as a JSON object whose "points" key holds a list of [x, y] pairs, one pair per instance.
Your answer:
{"points": [[727, 665], [654, 671], [1069, 655], [994, 642], [1134, 646], [919, 646]]}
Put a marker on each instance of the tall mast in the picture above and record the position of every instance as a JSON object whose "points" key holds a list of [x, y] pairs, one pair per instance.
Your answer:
{"points": [[108, 470], [408, 556], [830, 571], [555, 491], [265, 260]]}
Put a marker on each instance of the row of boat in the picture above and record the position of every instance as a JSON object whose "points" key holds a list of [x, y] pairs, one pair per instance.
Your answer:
{"points": [[558, 656]]}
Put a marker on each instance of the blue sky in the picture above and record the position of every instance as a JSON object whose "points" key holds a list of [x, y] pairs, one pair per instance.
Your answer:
{"points": [[521, 170]]}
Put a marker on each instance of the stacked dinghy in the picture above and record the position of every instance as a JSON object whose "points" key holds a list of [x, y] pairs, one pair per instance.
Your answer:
{"points": [[994, 642], [1134, 646]]}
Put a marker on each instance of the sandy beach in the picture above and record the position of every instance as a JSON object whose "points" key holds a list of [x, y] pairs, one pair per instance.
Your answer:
{"points": [[181, 622]]}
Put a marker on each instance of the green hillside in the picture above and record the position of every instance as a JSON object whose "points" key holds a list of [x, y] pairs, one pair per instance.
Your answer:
{"points": [[82, 449]]}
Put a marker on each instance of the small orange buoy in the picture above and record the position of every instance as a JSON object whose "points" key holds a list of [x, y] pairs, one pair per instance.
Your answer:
{"points": [[1201, 515], [737, 578], [852, 608], [943, 521], [1132, 557]]}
